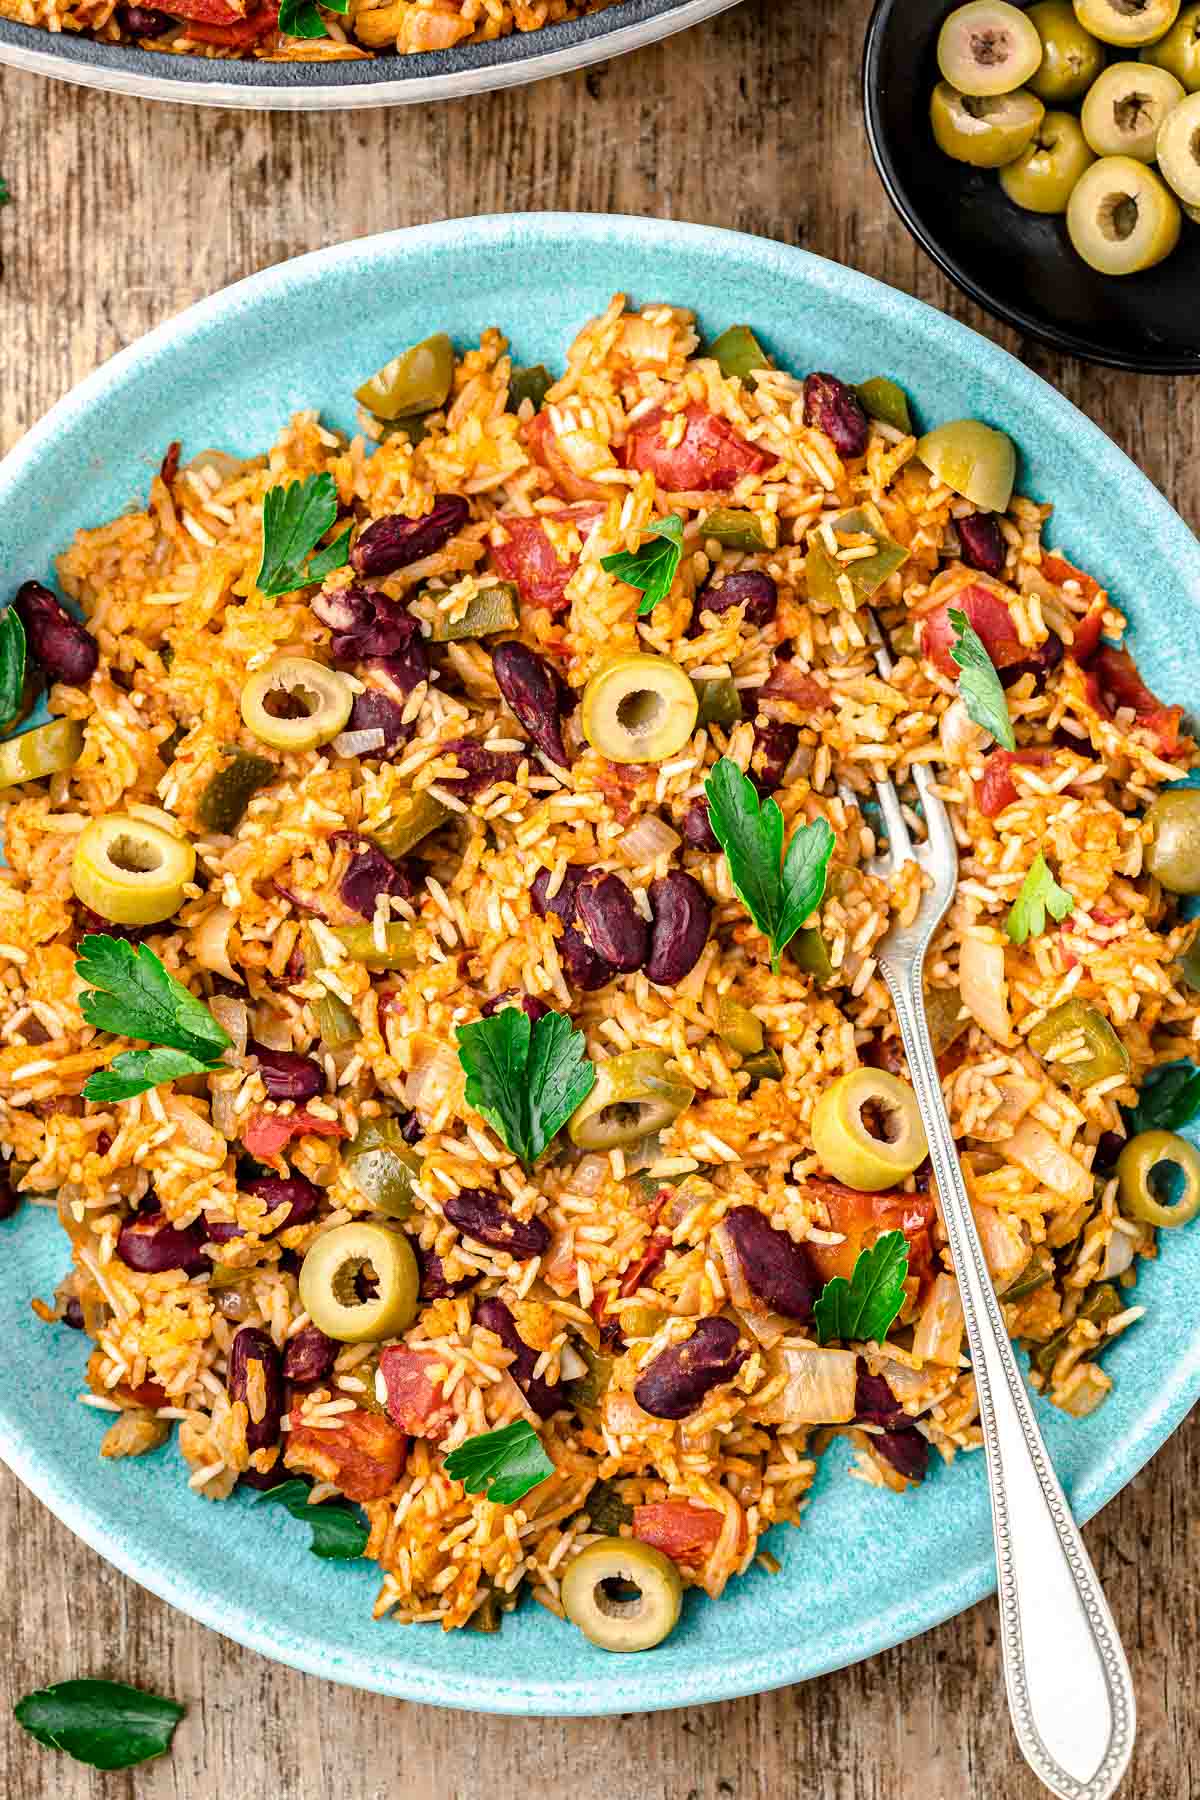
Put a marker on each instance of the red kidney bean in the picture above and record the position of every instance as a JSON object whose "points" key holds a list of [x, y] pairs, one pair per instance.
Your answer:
{"points": [[836, 409], [675, 1383], [907, 1451], [583, 965], [250, 1346], [562, 901], [482, 1215], [1038, 663], [65, 650], [365, 623], [1109, 1146], [435, 1285], [10, 1200], [373, 711], [370, 874], [308, 1357], [483, 767], [982, 542], [778, 1270], [286, 1074], [697, 828], [151, 1244], [301, 1196], [399, 674], [750, 588], [275, 1477], [73, 1314], [682, 916], [533, 1008], [392, 543], [493, 1315], [535, 696], [144, 22], [774, 746], [615, 928], [874, 1402], [411, 1128]]}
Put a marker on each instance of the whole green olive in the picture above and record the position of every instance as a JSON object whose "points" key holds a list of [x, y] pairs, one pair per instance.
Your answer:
{"points": [[1173, 856], [1043, 176], [1179, 51], [983, 130], [1071, 57]]}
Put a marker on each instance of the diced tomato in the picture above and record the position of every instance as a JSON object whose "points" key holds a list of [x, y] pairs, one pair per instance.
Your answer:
{"points": [[150, 1394], [210, 12], [709, 458], [547, 453], [237, 36], [413, 1402], [787, 682], [997, 789], [1113, 683], [861, 1218], [645, 1266], [529, 557], [268, 1133], [362, 1454], [1057, 569], [987, 614], [685, 1533]]}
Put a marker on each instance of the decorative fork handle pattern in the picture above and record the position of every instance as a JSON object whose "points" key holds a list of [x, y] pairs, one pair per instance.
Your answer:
{"points": [[1069, 1689]]}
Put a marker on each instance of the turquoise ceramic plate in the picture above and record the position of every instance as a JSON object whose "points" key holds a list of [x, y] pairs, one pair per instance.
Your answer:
{"points": [[867, 1570]]}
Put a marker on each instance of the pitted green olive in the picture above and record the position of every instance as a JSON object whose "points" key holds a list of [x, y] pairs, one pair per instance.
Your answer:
{"points": [[1122, 217], [973, 460], [1178, 150], [1079, 1043], [1071, 57], [1173, 855], [1124, 109], [416, 381], [1137, 1166], [1043, 177], [46, 750], [341, 1269], [867, 1130], [885, 399], [635, 1093], [623, 1595], [1179, 51], [131, 872], [382, 1166], [294, 703], [1127, 22], [988, 47], [985, 132], [639, 709]]}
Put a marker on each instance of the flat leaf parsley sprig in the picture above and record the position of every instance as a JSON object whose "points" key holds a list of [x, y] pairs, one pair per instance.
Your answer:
{"points": [[503, 1464], [651, 568], [979, 684], [525, 1079], [295, 519], [864, 1309], [1040, 894], [779, 892], [12, 665], [132, 995], [104, 1723]]}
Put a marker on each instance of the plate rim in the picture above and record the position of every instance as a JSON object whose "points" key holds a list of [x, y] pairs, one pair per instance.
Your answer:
{"points": [[774, 1665]]}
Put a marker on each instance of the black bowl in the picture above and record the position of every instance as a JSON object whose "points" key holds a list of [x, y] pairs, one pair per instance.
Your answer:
{"points": [[1019, 265]]}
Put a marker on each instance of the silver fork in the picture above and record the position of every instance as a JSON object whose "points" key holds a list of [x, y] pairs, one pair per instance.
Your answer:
{"points": [[1069, 1691]]}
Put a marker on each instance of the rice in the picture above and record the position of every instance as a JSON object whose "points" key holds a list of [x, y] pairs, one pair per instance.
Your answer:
{"points": [[636, 1240]]}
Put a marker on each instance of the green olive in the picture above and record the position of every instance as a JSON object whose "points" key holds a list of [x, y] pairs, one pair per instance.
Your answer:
{"points": [[344, 1264], [228, 792], [1124, 109], [1122, 217], [336, 1022], [639, 709], [641, 1321], [738, 1027], [46, 750], [867, 1130], [973, 460], [490, 610], [532, 384], [622, 1595], [1071, 56], [1043, 176], [412, 817], [402, 946], [1137, 1165], [1179, 150], [885, 399], [946, 1017], [735, 530], [738, 353], [720, 702], [1079, 1044], [1173, 856], [1127, 22], [981, 130], [131, 872], [854, 531], [382, 1167], [293, 703], [1179, 51], [636, 1092], [988, 47], [416, 381], [764, 1065]]}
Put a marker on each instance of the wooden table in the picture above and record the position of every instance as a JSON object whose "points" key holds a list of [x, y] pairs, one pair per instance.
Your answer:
{"points": [[123, 214]]}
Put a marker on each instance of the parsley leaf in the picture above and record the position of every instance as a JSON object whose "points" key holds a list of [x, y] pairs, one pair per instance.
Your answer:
{"points": [[132, 995], [295, 519], [1169, 1102], [502, 1464], [103, 1723], [525, 1080], [778, 894], [865, 1307], [979, 683], [5, 195], [339, 1533], [12, 665], [653, 565], [1040, 894], [301, 18]]}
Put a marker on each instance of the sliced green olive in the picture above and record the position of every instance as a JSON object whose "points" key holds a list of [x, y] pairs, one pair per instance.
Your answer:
{"points": [[1137, 1166], [130, 871], [341, 1269], [590, 1389], [641, 1321], [866, 574], [416, 381], [1189, 964], [1178, 150], [1173, 855], [988, 47], [46, 750], [1122, 217], [720, 702], [606, 1509], [227, 794], [1039, 1272], [738, 353], [412, 817], [639, 709], [622, 1595], [1179, 51], [973, 460], [635, 1093], [1101, 1303], [401, 950], [1043, 177], [885, 399], [491, 610], [1123, 110], [532, 384], [1127, 22], [764, 1065], [738, 1027], [336, 1022], [382, 1166], [983, 132], [867, 1129], [1079, 1043], [293, 703], [809, 951], [1071, 56], [735, 530]]}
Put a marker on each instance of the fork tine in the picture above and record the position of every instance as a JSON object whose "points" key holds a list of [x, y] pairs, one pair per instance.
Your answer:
{"points": [[899, 842], [937, 819]]}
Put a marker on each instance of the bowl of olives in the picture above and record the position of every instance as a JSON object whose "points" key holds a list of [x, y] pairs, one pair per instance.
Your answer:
{"points": [[1048, 159]]}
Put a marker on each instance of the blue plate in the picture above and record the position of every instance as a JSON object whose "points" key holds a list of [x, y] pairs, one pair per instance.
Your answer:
{"points": [[867, 1569]]}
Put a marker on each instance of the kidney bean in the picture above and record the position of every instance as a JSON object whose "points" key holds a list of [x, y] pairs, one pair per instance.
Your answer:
{"points": [[584, 966], [145, 22], [373, 711], [535, 696], [836, 409], [774, 745], [982, 542], [10, 1200], [370, 874], [778, 1270], [675, 1383], [1039, 664], [1109, 1146], [533, 1009], [493, 1315], [483, 767], [392, 543], [482, 1215], [682, 916], [435, 1284], [874, 1402], [275, 1477], [364, 623], [286, 1074], [250, 1346], [151, 1244], [309, 1356], [301, 1196], [562, 901], [614, 926], [73, 1314], [750, 588], [411, 1128], [907, 1451], [697, 828], [400, 673], [65, 650]]}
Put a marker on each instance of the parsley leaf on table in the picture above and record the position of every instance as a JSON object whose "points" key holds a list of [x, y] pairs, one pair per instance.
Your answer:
{"points": [[779, 892], [12, 664], [103, 1723], [525, 1079], [864, 1308], [1040, 894], [651, 568], [339, 1532], [295, 519], [1168, 1102], [504, 1464], [979, 684], [5, 195], [132, 995]]}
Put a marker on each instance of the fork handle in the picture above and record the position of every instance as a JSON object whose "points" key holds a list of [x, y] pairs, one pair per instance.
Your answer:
{"points": [[1069, 1690]]}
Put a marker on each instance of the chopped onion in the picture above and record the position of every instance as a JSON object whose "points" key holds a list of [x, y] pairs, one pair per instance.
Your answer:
{"points": [[359, 743], [210, 943], [570, 1364], [195, 1131], [819, 1389], [1118, 1257], [983, 987], [234, 1017], [1017, 1095], [225, 1116], [938, 1337], [226, 466], [1005, 1247], [272, 1027], [434, 1075], [958, 732], [647, 840], [1033, 1149]]}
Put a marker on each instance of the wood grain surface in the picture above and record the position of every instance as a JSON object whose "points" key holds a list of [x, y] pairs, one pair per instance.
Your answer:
{"points": [[124, 213]]}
